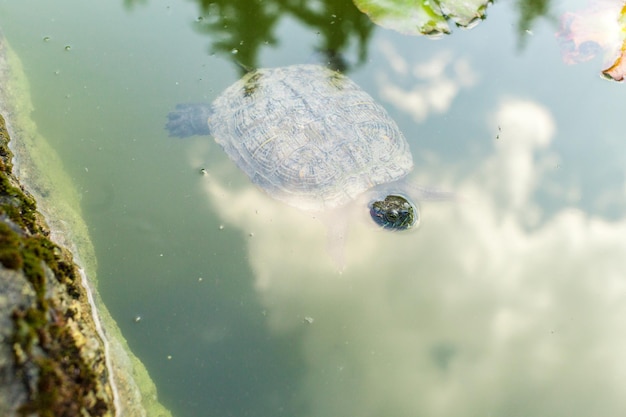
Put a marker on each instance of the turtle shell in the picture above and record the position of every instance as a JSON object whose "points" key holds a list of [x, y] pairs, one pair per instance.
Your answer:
{"points": [[309, 136]]}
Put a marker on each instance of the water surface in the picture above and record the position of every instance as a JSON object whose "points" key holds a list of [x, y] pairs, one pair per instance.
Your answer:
{"points": [[509, 301]]}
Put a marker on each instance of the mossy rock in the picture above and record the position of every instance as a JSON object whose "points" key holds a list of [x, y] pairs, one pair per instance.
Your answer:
{"points": [[54, 359]]}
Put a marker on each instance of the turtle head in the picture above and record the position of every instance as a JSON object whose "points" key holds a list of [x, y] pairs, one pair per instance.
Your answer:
{"points": [[395, 212]]}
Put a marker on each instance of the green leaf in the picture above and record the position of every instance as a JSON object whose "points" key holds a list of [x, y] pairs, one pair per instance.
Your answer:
{"points": [[423, 17]]}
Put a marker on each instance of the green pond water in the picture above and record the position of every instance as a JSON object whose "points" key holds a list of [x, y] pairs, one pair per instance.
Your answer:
{"points": [[509, 301]]}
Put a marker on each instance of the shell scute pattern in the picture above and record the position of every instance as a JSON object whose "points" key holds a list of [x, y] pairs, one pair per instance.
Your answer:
{"points": [[308, 135]]}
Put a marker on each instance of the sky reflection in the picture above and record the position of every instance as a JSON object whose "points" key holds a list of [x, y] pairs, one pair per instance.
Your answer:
{"points": [[490, 308]]}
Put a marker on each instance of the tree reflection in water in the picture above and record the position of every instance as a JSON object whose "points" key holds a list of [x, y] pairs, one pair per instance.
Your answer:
{"points": [[239, 29]]}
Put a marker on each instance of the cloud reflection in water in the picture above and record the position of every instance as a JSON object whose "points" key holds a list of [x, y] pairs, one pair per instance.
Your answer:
{"points": [[487, 309]]}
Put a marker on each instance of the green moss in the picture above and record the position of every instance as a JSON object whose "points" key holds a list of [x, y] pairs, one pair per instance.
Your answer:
{"points": [[10, 254], [42, 171], [65, 383], [11, 259], [15, 203], [42, 338]]}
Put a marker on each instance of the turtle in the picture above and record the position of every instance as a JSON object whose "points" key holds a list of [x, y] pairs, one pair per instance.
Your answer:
{"points": [[310, 137]]}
